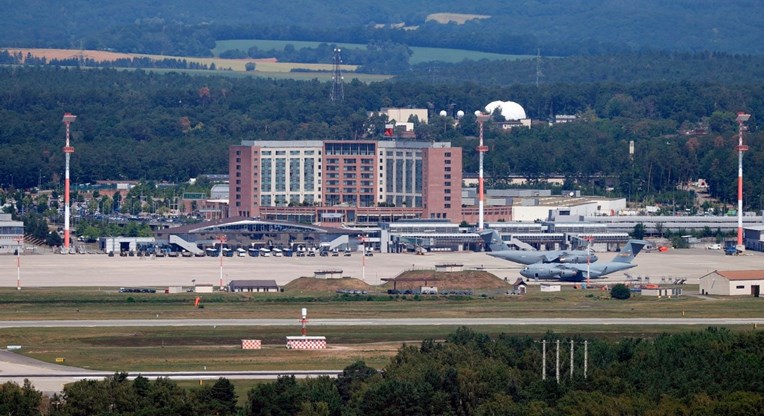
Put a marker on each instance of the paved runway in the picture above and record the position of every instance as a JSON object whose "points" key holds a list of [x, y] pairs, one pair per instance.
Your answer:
{"points": [[378, 322], [99, 270]]}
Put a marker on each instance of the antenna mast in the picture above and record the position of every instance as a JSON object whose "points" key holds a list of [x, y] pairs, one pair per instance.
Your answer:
{"points": [[337, 93]]}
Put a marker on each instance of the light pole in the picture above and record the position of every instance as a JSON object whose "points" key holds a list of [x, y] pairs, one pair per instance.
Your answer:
{"points": [[68, 150], [741, 119], [20, 240], [363, 258], [480, 118], [222, 239]]}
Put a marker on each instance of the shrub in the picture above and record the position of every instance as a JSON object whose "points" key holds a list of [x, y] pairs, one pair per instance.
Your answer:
{"points": [[620, 291]]}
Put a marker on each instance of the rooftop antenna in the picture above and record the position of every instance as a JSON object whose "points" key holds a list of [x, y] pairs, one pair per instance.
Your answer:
{"points": [[337, 93]]}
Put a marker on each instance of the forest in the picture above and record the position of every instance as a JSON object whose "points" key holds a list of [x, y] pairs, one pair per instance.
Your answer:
{"points": [[711, 372], [575, 27], [175, 126]]}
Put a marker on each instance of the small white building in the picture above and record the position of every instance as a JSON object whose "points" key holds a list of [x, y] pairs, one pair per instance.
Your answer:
{"points": [[732, 283], [203, 288]]}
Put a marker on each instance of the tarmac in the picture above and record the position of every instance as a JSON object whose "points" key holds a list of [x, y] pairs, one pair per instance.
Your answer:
{"points": [[100, 270]]}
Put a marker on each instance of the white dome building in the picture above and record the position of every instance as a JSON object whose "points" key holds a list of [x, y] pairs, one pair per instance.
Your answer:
{"points": [[509, 109]]}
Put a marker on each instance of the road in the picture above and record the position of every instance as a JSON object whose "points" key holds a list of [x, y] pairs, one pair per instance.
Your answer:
{"points": [[49, 377], [378, 322]]}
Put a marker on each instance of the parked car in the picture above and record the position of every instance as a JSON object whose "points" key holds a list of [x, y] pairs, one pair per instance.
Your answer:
{"points": [[714, 247]]}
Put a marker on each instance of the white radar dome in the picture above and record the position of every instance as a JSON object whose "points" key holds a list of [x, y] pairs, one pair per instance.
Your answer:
{"points": [[460, 114], [442, 113], [509, 109]]}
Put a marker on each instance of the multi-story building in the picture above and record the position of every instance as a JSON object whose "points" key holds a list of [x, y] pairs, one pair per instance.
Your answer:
{"points": [[345, 180]]}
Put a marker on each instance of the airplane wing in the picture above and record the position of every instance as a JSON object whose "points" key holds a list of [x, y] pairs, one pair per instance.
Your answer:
{"points": [[552, 256]]}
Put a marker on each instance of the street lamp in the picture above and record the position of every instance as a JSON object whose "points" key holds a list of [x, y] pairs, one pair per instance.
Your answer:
{"points": [[20, 240], [222, 239]]}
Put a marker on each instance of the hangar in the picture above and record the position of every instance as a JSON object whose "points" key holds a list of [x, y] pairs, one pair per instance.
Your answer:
{"points": [[732, 283]]}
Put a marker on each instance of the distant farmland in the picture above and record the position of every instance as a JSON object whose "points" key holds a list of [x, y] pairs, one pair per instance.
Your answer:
{"points": [[419, 55], [264, 67]]}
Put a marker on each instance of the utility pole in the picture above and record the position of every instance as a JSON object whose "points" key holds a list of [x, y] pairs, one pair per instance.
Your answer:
{"points": [[571, 365], [557, 360], [544, 359], [585, 360]]}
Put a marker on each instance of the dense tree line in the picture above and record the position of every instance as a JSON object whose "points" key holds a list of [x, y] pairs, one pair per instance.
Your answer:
{"points": [[135, 62], [139, 125], [709, 372], [570, 28]]}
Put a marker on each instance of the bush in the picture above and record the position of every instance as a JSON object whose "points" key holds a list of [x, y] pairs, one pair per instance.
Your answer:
{"points": [[620, 291]]}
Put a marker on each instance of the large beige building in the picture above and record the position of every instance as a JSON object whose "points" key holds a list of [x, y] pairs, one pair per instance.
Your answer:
{"points": [[733, 282]]}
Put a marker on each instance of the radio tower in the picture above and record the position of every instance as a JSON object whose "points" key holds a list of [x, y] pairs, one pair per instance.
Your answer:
{"points": [[742, 118], [68, 150], [337, 93], [480, 118]]}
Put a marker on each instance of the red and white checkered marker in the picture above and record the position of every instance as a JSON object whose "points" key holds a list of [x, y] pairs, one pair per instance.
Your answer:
{"points": [[250, 344]]}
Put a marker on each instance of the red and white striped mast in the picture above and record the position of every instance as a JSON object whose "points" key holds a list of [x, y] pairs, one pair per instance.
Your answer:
{"points": [[741, 119], [480, 118], [68, 150]]}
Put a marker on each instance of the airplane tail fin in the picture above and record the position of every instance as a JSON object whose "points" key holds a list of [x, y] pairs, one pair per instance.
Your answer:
{"points": [[630, 251], [493, 241]]}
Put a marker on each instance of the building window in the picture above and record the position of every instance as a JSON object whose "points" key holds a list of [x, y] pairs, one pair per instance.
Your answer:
{"points": [[448, 154], [739, 287], [447, 183], [447, 162], [447, 205], [447, 176], [447, 169]]}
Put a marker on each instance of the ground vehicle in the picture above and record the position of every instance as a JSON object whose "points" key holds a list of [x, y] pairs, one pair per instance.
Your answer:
{"points": [[731, 250], [714, 247]]}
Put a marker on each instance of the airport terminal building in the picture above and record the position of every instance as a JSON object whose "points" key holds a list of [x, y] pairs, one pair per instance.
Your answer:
{"points": [[333, 182]]}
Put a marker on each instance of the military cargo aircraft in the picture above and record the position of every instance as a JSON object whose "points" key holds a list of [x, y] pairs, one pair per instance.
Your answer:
{"points": [[500, 250], [574, 272]]}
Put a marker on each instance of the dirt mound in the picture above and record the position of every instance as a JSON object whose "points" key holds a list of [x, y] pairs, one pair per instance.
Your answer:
{"points": [[312, 284], [470, 279]]}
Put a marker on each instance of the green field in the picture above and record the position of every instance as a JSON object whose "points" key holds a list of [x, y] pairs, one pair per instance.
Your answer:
{"points": [[219, 348], [419, 54], [107, 303]]}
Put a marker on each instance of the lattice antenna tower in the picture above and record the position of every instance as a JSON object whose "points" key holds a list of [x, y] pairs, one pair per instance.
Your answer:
{"points": [[539, 63], [337, 93]]}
